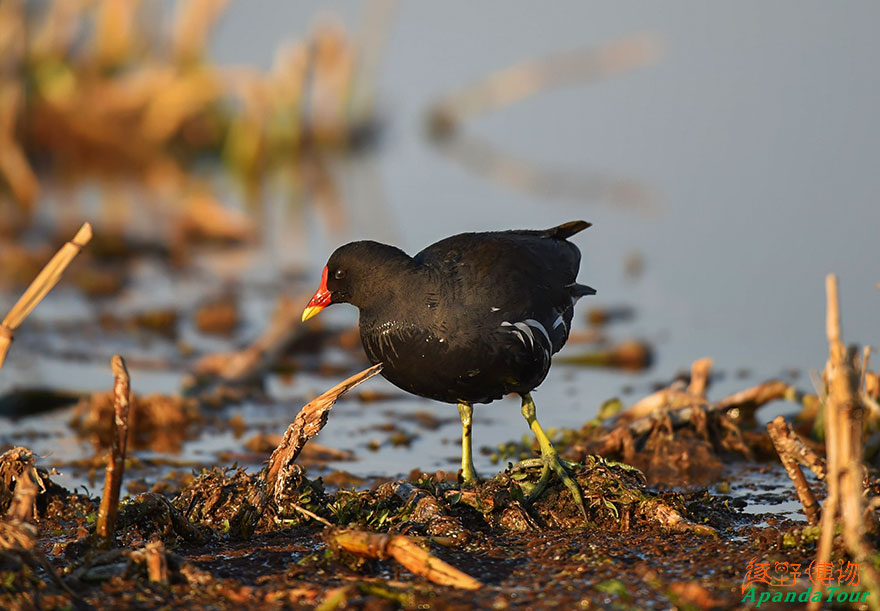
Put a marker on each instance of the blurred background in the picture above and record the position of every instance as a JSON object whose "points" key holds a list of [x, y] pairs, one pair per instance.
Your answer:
{"points": [[726, 154]]}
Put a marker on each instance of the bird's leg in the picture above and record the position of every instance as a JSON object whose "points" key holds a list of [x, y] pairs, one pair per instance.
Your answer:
{"points": [[466, 412], [550, 458]]}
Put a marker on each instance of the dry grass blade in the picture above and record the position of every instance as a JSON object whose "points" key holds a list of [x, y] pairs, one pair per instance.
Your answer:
{"points": [[406, 552], [309, 421], [42, 284], [109, 508]]}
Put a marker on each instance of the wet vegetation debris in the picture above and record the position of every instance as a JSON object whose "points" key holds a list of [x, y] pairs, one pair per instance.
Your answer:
{"points": [[157, 421]]}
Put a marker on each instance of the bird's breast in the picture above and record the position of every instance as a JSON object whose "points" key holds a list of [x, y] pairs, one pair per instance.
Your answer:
{"points": [[394, 342]]}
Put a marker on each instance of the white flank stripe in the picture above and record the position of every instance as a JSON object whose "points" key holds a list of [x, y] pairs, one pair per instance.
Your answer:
{"points": [[516, 331], [534, 323], [526, 330]]}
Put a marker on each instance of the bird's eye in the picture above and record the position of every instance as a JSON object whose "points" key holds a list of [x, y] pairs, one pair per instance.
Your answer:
{"points": [[340, 274]]}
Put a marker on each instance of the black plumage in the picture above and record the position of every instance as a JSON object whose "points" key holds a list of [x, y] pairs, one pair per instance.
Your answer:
{"points": [[467, 320]]}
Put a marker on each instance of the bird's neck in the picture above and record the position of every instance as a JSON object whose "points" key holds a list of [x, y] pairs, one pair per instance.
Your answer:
{"points": [[395, 281]]}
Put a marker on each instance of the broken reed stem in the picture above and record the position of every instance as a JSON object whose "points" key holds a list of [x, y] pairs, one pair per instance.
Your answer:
{"points": [[308, 422], [671, 399], [157, 562], [750, 399], [109, 508], [843, 442], [781, 434], [405, 551], [24, 499], [260, 354], [41, 285], [700, 370]]}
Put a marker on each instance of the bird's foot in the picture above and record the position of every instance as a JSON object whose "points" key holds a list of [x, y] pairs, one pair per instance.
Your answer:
{"points": [[551, 463], [468, 477]]}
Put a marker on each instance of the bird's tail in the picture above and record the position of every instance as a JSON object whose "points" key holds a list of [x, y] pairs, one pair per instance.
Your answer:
{"points": [[566, 230], [581, 290]]}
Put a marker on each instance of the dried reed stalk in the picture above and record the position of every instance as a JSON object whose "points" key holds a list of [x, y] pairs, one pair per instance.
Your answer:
{"points": [[406, 552], [109, 508], [157, 563], [42, 284], [193, 21], [374, 34], [795, 447], [782, 436], [843, 443], [700, 370], [309, 421], [249, 362], [671, 398], [14, 165], [24, 501], [752, 398]]}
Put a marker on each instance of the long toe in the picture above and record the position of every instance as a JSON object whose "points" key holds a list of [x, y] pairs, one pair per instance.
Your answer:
{"points": [[561, 468], [536, 490], [572, 486]]}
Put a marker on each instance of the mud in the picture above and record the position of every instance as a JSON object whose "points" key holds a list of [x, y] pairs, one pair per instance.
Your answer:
{"points": [[222, 543]]}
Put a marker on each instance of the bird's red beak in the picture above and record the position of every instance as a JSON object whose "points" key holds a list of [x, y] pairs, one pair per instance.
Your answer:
{"points": [[320, 300]]}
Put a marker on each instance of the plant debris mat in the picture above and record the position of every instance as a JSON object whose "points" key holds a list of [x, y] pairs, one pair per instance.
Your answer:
{"points": [[225, 540]]}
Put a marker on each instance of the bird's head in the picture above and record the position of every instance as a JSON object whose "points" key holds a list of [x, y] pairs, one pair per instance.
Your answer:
{"points": [[356, 273]]}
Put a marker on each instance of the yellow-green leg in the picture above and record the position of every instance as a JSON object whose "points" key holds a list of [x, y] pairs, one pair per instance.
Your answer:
{"points": [[549, 458], [466, 412]]}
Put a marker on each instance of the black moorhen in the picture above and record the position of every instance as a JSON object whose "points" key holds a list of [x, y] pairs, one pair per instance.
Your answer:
{"points": [[467, 320]]}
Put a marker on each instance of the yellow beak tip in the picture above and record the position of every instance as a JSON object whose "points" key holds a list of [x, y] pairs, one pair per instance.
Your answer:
{"points": [[310, 312]]}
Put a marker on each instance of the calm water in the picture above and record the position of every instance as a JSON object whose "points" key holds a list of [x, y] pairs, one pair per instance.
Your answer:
{"points": [[748, 150]]}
